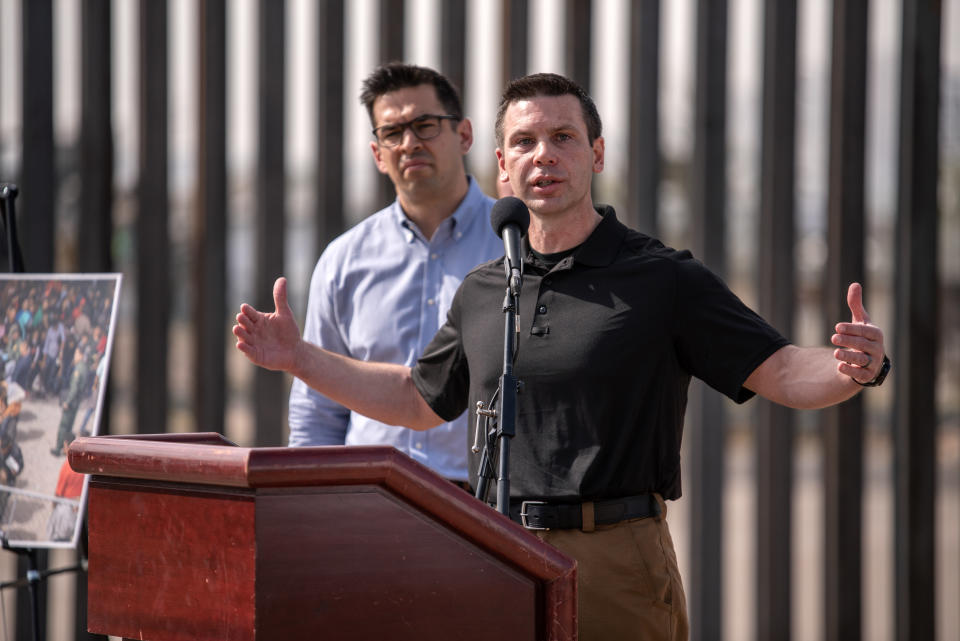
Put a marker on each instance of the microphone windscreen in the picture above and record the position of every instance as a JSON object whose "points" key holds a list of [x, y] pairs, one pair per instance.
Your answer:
{"points": [[509, 210]]}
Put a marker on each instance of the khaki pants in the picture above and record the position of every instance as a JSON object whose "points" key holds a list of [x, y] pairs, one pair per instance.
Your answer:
{"points": [[628, 581]]}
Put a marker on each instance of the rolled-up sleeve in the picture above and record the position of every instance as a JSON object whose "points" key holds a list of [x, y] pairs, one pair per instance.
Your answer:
{"points": [[441, 374], [315, 419]]}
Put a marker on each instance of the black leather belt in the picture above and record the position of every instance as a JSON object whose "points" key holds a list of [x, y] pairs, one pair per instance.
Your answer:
{"points": [[541, 515]]}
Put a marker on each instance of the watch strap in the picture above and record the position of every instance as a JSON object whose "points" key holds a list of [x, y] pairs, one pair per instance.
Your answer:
{"points": [[881, 375]]}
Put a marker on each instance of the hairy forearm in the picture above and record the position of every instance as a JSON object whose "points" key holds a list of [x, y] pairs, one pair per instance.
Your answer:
{"points": [[802, 378], [383, 391]]}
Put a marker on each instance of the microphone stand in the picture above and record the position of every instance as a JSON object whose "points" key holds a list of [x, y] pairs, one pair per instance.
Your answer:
{"points": [[498, 440]]}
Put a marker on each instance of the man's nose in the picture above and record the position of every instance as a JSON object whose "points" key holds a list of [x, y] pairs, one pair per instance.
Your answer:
{"points": [[409, 140], [544, 154]]}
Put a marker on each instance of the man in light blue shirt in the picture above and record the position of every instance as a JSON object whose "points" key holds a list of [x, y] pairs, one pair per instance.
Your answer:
{"points": [[380, 291]]}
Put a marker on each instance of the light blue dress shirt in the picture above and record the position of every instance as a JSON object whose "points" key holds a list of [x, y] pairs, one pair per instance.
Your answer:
{"points": [[379, 293]]}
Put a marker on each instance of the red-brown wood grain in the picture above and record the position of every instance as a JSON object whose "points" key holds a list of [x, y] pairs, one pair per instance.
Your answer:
{"points": [[169, 564], [360, 542]]}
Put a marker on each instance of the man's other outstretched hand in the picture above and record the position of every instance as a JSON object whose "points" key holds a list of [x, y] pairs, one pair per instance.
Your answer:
{"points": [[272, 340], [860, 342]]}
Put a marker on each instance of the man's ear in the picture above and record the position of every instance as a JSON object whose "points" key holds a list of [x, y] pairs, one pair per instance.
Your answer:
{"points": [[504, 188], [598, 150], [503, 178], [377, 158], [465, 131]]}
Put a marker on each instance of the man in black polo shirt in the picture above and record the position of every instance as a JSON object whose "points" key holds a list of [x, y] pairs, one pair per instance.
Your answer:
{"points": [[612, 326]]}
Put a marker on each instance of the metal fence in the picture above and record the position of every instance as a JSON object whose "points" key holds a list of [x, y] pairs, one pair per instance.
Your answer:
{"points": [[197, 220]]}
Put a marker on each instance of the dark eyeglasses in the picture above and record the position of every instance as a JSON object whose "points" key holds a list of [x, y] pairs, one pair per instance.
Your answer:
{"points": [[423, 127]]}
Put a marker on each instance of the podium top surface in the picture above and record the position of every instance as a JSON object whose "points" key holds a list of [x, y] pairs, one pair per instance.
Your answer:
{"points": [[210, 460]]}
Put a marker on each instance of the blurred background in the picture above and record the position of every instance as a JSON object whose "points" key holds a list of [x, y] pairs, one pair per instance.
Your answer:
{"points": [[202, 148]]}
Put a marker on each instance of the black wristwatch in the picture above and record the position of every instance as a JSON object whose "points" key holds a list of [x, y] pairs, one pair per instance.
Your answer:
{"points": [[882, 374]]}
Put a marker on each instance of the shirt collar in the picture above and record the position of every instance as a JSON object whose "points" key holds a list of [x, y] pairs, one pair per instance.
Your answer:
{"points": [[472, 210], [601, 246], [455, 227]]}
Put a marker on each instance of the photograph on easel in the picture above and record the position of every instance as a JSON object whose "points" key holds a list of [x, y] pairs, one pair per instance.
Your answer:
{"points": [[56, 336]]}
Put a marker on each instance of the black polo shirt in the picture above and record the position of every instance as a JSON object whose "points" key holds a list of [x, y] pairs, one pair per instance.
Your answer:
{"points": [[609, 338]]}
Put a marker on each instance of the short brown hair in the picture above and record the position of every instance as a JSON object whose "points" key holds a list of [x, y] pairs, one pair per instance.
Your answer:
{"points": [[398, 75], [548, 84]]}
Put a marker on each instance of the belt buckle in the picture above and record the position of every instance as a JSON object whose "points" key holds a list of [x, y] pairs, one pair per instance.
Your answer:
{"points": [[523, 515]]}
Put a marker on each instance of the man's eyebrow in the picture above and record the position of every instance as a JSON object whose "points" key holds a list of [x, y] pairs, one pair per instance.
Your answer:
{"points": [[565, 127], [404, 122]]}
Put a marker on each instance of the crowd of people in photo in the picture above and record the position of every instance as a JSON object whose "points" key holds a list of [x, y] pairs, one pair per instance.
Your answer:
{"points": [[53, 338]]}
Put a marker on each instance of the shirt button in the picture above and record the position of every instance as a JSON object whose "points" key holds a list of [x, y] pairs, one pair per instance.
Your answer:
{"points": [[542, 309], [429, 301], [433, 256], [419, 446]]}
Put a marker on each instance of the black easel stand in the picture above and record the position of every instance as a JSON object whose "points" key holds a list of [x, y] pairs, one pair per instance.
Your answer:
{"points": [[33, 579], [8, 218], [11, 247], [497, 441], [31, 582]]}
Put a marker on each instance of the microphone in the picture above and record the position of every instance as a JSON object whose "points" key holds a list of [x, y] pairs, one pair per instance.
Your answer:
{"points": [[510, 219]]}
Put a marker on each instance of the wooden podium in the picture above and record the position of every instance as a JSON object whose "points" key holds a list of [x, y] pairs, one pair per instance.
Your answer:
{"points": [[193, 538]]}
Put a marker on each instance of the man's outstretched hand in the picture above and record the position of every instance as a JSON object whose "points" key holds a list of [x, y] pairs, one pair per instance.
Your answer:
{"points": [[269, 340], [860, 342]]}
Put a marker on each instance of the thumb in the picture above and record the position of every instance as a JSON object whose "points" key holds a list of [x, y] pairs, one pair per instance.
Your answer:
{"points": [[855, 303], [280, 295]]}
